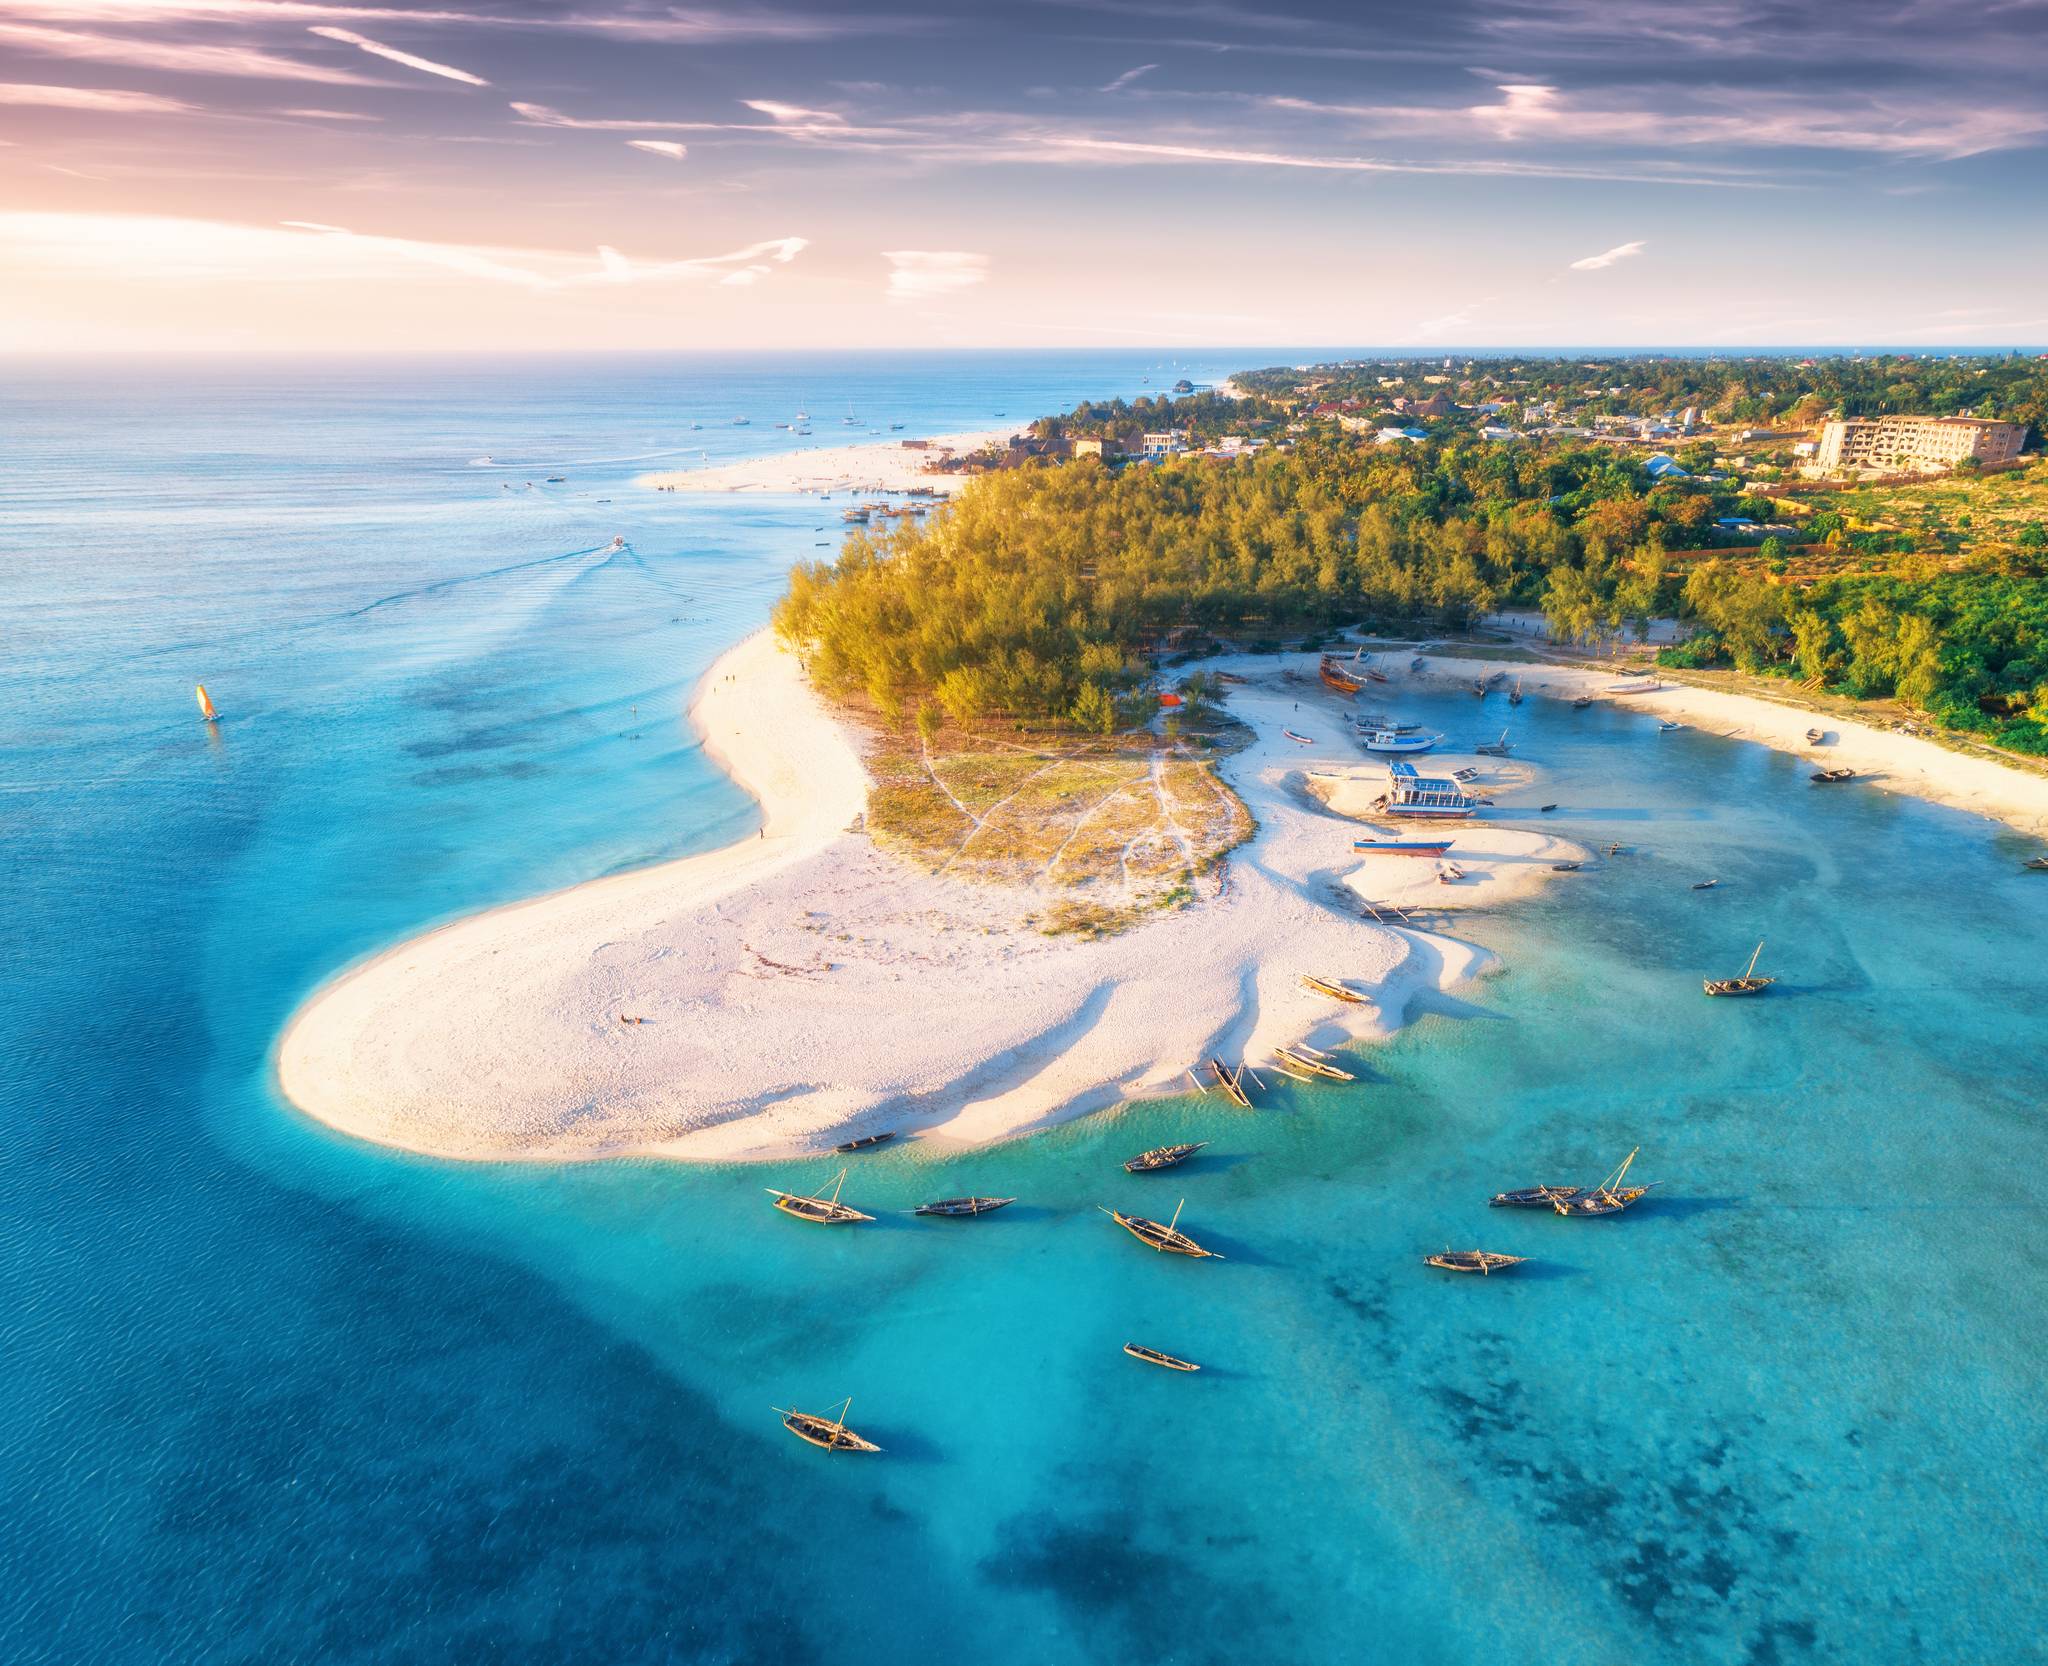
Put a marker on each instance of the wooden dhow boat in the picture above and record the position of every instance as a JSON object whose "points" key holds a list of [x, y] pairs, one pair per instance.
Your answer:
{"points": [[2036, 864], [1152, 1356], [1313, 1060], [1610, 1197], [826, 1211], [1167, 1239], [1337, 992], [1828, 777], [955, 1207], [1747, 984], [1232, 1083], [1515, 698], [1582, 702], [1162, 1157], [1531, 1197], [1473, 1261], [829, 1432], [1494, 748], [1339, 676]]}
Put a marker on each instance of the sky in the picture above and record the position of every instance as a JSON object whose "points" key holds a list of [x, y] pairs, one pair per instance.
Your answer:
{"points": [[511, 175]]}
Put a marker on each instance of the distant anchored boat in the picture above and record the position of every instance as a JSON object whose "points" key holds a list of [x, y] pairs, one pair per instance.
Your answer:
{"points": [[1474, 1261], [1610, 1197], [1152, 1356], [1531, 1197], [829, 1432], [1747, 984]]}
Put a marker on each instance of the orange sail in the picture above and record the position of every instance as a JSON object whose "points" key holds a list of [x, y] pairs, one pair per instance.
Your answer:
{"points": [[205, 703]]}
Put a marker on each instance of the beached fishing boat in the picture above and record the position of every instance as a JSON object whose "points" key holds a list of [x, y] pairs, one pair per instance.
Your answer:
{"points": [[1610, 1197], [207, 714], [1566, 867], [1479, 688], [1337, 675], [854, 517], [1299, 740], [1313, 1060], [1431, 848], [1747, 984], [1494, 749], [1515, 695], [1667, 726], [825, 1211], [1336, 991], [1473, 1261], [1582, 702], [2037, 864], [1427, 797], [955, 1207], [1827, 777], [1162, 1157], [1167, 1239], [867, 1140], [829, 1432], [1531, 1197], [1397, 741], [1152, 1356], [1815, 737], [1231, 1083]]}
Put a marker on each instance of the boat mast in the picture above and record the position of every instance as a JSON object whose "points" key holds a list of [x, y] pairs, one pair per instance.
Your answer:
{"points": [[1751, 967], [1177, 1208], [841, 1181]]}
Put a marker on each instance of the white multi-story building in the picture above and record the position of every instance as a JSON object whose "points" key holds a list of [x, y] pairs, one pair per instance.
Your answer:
{"points": [[1901, 444]]}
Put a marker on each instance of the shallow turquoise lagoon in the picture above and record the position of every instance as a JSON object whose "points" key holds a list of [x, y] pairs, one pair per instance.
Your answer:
{"points": [[271, 1395]]}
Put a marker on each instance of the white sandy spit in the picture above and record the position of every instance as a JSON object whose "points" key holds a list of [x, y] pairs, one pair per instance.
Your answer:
{"points": [[1883, 759], [804, 986], [863, 466]]}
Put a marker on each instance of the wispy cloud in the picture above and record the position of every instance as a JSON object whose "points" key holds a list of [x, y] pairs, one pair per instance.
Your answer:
{"points": [[1128, 76], [661, 147], [790, 112], [171, 55], [920, 274], [105, 99], [377, 49], [1607, 257]]}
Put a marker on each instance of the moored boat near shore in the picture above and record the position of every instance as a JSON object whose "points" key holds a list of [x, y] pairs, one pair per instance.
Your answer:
{"points": [[958, 1207], [1337, 675], [1828, 777], [1610, 1197], [1337, 992], [1162, 1157], [866, 1141], [1747, 984], [1168, 1239], [816, 1207], [1531, 1197]]}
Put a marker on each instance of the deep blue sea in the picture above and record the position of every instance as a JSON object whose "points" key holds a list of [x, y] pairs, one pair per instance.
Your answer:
{"points": [[267, 1395]]}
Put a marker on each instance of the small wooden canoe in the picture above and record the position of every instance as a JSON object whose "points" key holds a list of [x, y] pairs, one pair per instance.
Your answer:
{"points": [[1828, 777], [1313, 1060], [1582, 702], [829, 1432], [1299, 740], [1152, 1356], [955, 1207], [1473, 1261], [1168, 1239], [1162, 1157], [1232, 1083], [1566, 867], [865, 1141], [1706, 884], [2036, 864], [1337, 992]]}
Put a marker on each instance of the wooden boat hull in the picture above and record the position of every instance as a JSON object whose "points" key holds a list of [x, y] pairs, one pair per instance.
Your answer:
{"points": [[1738, 986], [1483, 1262], [1531, 1197], [1163, 1157], [1336, 677], [1152, 1356], [1592, 1203], [1165, 1239], [823, 1432], [1402, 847], [866, 1142], [1336, 992], [956, 1208]]}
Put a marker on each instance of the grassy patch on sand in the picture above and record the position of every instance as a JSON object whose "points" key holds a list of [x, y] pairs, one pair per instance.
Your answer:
{"points": [[1118, 826]]}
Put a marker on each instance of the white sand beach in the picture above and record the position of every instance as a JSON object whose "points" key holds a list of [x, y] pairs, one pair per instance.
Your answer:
{"points": [[804, 986], [861, 466]]}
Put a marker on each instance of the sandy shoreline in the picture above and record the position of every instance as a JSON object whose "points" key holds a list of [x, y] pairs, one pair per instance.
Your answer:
{"points": [[802, 987], [1883, 759], [866, 465]]}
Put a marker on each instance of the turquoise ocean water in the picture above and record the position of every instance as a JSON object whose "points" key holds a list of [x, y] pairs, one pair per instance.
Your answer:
{"points": [[268, 1395]]}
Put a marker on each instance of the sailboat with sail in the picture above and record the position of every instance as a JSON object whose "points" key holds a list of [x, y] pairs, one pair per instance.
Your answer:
{"points": [[207, 713]]}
